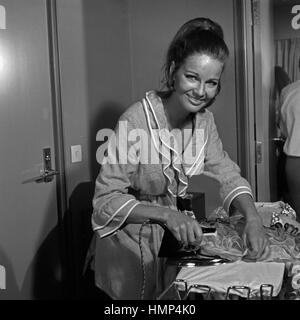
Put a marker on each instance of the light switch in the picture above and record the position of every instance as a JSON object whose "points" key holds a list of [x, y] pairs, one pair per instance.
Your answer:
{"points": [[76, 154]]}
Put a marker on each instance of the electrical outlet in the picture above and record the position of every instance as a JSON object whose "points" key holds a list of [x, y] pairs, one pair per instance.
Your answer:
{"points": [[76, 153]]}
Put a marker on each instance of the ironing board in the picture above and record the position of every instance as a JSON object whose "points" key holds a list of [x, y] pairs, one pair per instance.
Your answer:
{"points": [[248, 280]]}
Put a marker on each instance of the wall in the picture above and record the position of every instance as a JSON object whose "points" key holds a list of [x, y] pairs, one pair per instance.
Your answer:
{"points": [[95, 77], [74, 95]]}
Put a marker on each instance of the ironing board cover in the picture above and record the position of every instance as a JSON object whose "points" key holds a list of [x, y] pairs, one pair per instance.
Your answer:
{"points": [[221, 277]]}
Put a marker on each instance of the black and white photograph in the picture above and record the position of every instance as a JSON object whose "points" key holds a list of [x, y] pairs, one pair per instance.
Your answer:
{"points": [[150, 151]]}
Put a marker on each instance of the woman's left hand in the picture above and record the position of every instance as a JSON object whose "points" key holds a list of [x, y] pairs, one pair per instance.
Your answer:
{"points": [[255, 238]]}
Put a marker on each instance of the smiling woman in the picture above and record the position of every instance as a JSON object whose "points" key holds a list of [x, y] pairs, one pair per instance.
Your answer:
{"points": [[135, 197]]}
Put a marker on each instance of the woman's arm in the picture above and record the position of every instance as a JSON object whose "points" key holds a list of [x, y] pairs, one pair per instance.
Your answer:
{"points": [[234, 190], [112, 203], [184, 228], [254, 232]]}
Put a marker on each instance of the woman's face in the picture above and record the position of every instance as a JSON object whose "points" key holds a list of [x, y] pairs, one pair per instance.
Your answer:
{"points": [[196, 81]]}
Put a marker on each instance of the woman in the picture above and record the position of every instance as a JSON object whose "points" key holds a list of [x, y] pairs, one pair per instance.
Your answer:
{"points": [[170, 125]]}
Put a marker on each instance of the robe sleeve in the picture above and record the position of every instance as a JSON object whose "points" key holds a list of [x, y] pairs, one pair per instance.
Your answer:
{"points": [[112, 204], [220, 167]]}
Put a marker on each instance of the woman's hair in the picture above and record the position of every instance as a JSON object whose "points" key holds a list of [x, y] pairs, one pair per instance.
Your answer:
{"points": [[199, 35]]}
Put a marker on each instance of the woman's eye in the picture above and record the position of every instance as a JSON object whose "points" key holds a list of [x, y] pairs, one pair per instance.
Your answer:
{"points": [[212, 84], [191, 77]]}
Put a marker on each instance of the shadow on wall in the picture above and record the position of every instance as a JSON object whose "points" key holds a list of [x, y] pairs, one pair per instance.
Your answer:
{"points": [[80, 235], [105, 117], [44, 279], [56, 272], [108, 68]]}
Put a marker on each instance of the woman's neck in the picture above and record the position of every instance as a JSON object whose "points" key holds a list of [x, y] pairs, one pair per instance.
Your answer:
{"points": [[175, 114]]}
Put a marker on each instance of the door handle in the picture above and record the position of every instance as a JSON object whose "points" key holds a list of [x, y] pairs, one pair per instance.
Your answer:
{"points": [[47, 175]]}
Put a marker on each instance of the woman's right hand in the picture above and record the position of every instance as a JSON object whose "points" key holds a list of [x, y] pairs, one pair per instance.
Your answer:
{"points": [[185, 229]]}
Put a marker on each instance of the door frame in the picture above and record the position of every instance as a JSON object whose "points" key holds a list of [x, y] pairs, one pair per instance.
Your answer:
{"points": [[58, 137], [245, 91], [56, 105], [259, 142], [262, 100]]}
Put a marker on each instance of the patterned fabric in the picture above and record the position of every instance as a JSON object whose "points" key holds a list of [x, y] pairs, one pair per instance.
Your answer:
{"points": [[227, 243], [280, 225], [121, 187]]}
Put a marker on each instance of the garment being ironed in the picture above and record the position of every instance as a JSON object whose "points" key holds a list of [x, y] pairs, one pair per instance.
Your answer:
{"points": [[121, 187]]}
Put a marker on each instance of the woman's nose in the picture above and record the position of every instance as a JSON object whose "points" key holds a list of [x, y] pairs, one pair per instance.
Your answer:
{"points": [[200, 90]]}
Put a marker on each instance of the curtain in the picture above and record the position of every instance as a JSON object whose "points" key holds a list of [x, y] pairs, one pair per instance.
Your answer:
{"points": [[288, 55]]}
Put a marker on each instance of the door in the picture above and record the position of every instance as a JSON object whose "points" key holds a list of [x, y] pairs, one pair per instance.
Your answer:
{"points": [[30, 243], [265, 124], [268, 22]]}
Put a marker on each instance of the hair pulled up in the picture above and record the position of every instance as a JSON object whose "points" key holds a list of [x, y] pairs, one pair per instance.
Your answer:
{"points": [[199, 35]]}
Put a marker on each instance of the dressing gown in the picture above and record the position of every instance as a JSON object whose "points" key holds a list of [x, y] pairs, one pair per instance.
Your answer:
{"points": [[144, 163]]}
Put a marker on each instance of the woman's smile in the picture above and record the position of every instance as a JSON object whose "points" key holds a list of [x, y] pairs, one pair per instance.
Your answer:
{"points": [[195, 101]]}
